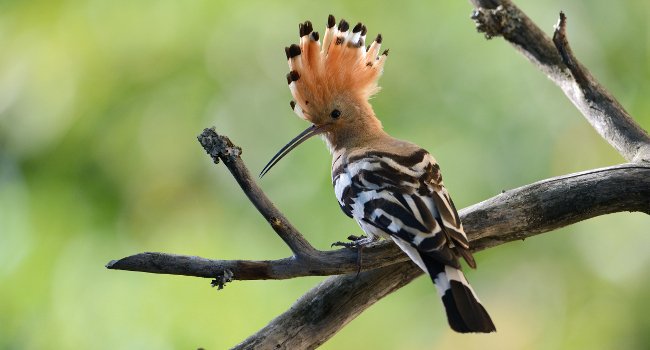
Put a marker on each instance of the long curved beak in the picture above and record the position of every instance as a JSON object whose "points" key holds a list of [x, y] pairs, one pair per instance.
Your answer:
{"points": [[302, 137]]}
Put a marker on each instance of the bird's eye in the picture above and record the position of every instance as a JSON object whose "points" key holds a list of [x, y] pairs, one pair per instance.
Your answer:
{"points": [[335, 113]]}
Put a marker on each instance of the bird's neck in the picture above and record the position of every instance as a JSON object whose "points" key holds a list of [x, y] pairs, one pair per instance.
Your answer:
{"points": [[361, 130], [357, 137]]}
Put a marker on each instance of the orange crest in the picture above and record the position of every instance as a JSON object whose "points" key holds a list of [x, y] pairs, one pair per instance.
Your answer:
{"points": [[341, 65]]}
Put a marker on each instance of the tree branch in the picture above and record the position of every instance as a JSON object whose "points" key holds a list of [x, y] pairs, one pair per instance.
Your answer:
{"points": [[220, 147], [322, 264], [513, 215], [328, 307], [555, 59], [557, 202]]}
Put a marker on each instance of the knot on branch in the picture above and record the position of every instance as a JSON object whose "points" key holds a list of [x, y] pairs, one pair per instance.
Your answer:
{"points": [[218, 146], [642, 154], [276, 223], [222, 279], [500, 21]]}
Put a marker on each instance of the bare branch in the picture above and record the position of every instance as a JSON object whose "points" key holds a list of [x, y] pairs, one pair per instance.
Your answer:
{"points": [[557, 202], [555, 59], [322, 264], [220, 147], [513, 215]]}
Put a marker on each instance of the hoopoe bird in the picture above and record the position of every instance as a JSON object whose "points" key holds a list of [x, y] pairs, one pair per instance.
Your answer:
{"points": [[392, 188]]}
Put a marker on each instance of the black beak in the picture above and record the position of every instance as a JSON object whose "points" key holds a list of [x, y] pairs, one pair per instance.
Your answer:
{"points": [[309, 132]]}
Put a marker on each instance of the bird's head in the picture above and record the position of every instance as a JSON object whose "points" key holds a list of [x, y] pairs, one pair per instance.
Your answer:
{"points": [[332, 83]]}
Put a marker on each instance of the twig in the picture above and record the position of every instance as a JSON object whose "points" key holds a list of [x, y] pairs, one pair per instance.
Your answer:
{"points": [[220, 147], [562, 44], [335, 262], [555, 59]]}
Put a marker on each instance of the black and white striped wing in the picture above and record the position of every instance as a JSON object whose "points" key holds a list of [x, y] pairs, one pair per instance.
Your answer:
{"points": [[404, 197]]}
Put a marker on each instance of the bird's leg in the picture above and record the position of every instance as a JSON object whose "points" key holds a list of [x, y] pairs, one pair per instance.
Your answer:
{"points": [[358, 242]]}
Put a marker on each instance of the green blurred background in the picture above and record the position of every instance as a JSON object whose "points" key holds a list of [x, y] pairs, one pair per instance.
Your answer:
{"points": [[100, 105]]}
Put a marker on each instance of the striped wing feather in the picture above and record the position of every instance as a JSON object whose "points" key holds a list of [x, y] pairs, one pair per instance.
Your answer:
{"points": [[404, 196], [451, 223]]}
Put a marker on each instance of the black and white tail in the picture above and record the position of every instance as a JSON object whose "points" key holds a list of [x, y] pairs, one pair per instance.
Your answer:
{"points": [[464, 311]]}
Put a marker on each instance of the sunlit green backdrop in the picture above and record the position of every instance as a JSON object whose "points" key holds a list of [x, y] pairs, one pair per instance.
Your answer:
{"points": [[100, 105]]}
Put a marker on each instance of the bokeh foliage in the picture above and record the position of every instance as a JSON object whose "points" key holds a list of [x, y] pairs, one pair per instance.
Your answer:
{"points": [[100, 104]]}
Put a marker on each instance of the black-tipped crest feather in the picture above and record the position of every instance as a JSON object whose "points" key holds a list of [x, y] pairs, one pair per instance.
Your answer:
{"points": [[294, 50], [294, 75], [344, 26], [331, 21]]}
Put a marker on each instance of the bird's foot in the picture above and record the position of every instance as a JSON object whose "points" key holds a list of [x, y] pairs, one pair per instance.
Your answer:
{"points": [[358, 242]]}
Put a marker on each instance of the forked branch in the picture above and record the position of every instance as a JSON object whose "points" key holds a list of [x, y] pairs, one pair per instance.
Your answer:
{"points": [[220, 147], [555, 59]]}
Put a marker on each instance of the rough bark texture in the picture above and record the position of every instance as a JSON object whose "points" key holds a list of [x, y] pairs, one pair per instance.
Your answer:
{"points": [[557, 202], [322, 264], [328, 307]]}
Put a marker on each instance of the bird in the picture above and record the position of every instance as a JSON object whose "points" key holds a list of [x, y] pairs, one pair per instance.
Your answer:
{"points": [[392, 188]]}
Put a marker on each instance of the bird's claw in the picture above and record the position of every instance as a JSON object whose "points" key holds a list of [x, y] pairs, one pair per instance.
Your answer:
{"points": [[356, 238], [344, 244], [358, 242]]}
